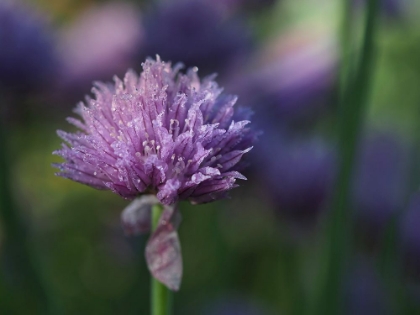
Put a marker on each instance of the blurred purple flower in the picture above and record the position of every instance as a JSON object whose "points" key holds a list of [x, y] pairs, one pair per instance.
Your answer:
{"points": [[293, 78], [195, 32], [161, 133], [102, 41], [380, 181], [410, 237], [27, 56], [365, 293], [298, 175]]}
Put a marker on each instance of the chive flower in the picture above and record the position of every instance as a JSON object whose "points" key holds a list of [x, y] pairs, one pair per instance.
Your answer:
{"points": [[160, 133]]}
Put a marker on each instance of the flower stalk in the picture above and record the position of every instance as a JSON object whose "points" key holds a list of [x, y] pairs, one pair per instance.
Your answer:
{"points": [[352, 109], [346, 40], [160, 294]]}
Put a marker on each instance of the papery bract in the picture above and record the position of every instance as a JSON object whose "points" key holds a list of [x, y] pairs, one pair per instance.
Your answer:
{"points": [[137, 215], [163, 251]]}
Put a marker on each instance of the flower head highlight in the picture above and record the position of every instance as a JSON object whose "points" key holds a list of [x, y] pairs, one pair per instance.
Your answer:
{"points": [[161, 132]]}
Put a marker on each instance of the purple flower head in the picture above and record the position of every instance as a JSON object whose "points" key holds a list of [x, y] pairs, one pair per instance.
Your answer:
{"points": [[27, 57], [197, 33], [380, 182], [161, 132]]}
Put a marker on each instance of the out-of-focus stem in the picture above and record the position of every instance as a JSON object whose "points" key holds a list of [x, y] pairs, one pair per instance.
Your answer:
{"points": [[352, 109], [346, 41], [16, 243], [160, 294], [292, 276]]}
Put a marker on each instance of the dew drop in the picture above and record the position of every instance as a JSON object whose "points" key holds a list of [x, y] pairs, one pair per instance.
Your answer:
{"points": [[126, 96]]}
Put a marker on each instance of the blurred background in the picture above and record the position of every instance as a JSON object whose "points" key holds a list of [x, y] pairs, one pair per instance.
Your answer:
{"points": [[260, 252]]}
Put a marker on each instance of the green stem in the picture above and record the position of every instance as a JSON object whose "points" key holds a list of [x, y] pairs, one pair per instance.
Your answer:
{"points": [[292, 276], [160, 295], [352, 109], [346, 41]]}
